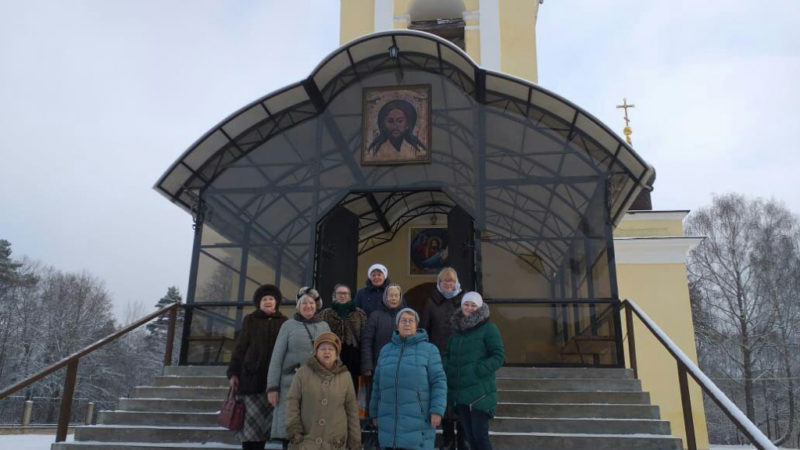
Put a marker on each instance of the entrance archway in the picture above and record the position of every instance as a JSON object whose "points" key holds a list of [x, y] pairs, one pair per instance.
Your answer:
{"points": [[415, 233]]}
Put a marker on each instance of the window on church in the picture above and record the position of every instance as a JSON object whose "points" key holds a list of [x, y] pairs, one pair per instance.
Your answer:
{"points": [[450, 29]]}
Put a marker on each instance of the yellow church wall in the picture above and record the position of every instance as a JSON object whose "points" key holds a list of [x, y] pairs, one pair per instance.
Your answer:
{"points": [[518, 38], [357, 18], [472, 32], [661, 290]]}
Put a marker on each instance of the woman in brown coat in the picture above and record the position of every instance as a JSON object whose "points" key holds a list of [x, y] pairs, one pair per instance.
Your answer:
{"points": [[247, 371], [321, 410]]}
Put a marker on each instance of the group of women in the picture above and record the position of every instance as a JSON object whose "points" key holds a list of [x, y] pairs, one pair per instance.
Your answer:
{"points": [[427, 370]]}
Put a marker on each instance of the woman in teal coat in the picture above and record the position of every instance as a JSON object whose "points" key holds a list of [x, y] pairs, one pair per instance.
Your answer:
{"points": [[473, 355], [409, 389]]}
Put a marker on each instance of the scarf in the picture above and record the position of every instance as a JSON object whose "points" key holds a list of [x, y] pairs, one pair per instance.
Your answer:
{"points": [[299, 317], [449, 294], [343, 309]]}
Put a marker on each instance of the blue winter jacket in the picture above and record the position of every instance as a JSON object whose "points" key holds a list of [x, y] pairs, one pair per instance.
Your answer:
{"points": [[408, 386]]}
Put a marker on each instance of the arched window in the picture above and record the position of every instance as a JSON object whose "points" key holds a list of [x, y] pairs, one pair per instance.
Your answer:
{"points": [[443, 18]]}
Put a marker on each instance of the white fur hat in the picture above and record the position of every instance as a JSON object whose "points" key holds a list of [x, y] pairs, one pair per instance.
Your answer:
{"points": [[380, 267], [473, 297]]}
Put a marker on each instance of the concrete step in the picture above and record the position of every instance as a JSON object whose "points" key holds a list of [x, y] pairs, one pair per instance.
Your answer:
{"points": [[148, 446], [176, 419], [564, 372], [149, 433], [549, 441], [169, 405], [193, 381], [580, 425], [557, 384], [533, 396], [587, 410], [180, 392], [196, 371]]}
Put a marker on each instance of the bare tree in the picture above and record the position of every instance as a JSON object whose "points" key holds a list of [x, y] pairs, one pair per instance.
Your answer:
{"points": [[744, 285]]}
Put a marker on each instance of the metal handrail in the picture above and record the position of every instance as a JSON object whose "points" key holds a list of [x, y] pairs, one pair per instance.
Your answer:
{"points": [[72, 360], [687, 366]]}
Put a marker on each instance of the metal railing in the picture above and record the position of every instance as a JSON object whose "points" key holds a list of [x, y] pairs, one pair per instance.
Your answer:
{"points": [[71, 362], [687, 367]]}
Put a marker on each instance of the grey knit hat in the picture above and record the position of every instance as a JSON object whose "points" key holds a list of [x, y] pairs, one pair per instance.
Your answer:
{"points": [[405, 311]]}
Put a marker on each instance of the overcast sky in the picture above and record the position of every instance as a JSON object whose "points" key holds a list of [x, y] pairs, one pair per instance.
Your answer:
{"points": [[98, 98]]}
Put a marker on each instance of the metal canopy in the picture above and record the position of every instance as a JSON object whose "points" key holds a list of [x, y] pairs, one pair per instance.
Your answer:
{"points": [[534, 170]]}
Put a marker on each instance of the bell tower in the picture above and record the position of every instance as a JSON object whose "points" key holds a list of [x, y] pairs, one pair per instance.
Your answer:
{"points": [[500, 35]]}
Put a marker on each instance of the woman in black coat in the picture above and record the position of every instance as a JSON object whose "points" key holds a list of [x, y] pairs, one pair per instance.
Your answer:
{"points": [[247, 371], [435, 319], [379, 328]]}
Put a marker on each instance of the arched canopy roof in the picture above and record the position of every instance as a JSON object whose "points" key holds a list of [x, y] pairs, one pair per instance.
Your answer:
{"points": [[526, 163]]}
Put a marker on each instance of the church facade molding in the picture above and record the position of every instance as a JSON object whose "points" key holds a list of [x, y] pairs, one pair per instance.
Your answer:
{"points": [[654, 250]]}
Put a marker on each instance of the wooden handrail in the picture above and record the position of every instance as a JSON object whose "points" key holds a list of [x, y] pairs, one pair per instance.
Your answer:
{"points": [[687, 366], [71, 362]]}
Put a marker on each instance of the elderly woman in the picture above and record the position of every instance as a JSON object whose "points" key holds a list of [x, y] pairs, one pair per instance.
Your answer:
{"points": [[247, 371], [409, 388], [435, 319], [473, 355], [295, 344], [347, 321], [321, 411], [369, 297], [380, 326]]}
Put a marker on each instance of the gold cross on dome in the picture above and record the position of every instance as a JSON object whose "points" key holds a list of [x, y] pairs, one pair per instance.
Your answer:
{"points": [[627, 131], [625, 106]]}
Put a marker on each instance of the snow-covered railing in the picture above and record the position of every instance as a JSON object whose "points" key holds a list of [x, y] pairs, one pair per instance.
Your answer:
{"points": [[72, 360], [687, 366]]}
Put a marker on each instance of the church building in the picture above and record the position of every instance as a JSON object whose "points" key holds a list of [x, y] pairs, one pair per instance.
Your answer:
{"points": [[425, 141]]}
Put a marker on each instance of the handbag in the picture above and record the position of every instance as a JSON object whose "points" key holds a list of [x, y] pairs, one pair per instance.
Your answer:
{"points": [[231, 415]]}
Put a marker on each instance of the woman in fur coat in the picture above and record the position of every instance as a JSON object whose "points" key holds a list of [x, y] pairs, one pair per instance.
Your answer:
{"points": [[347, 322], [247, 371]]}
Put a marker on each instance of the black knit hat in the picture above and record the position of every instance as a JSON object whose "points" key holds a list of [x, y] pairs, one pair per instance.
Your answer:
{"points": [[268, 289]]}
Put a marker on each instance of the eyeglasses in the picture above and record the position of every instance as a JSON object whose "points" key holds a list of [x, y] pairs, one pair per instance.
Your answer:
{"points": [[343, 293], [407, 321]]}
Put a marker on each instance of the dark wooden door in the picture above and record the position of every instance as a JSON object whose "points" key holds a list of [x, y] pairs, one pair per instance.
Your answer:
{"points": [[337, 252], [461, 248]]}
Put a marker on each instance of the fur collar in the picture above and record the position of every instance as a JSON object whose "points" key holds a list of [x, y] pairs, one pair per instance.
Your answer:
{"points": [[462, 323], [262, 315]]}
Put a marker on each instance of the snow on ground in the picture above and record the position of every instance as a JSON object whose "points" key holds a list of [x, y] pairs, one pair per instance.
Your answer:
{"points": [[28, 441]]}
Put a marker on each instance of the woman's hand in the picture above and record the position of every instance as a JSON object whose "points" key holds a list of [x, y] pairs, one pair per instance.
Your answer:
{"points": [[233, 383], [272, 398], [436, 420]]}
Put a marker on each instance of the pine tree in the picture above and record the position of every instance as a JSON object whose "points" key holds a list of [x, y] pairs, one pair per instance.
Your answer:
{"points": [[158, 327], [10, 275]]}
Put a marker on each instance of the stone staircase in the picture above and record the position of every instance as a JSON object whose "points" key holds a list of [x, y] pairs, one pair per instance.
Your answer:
{"points": [[576, 408], [540, 408], [178, 412]]}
